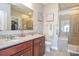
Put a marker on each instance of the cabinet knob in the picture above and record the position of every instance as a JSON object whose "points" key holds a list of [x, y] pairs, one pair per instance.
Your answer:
{"points": [[40, 44], [21, 55]]}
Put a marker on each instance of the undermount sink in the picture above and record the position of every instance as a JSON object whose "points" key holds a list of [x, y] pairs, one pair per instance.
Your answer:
{"points": [[2, 40], [18, 38], [23, 36]]}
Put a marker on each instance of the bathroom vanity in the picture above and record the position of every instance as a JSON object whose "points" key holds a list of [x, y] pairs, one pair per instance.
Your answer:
{"points": [[24, 46], [18, 19]]}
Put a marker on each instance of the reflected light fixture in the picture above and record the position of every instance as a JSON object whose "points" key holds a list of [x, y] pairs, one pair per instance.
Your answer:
{"points": [[29, 5]]}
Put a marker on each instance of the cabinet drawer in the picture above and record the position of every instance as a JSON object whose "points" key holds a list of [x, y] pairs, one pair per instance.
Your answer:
{"points": [[14, 49], [25, 52], [37, 40]]}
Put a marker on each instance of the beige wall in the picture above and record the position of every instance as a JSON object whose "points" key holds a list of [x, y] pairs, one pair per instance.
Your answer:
{"points": [[16, 13]]}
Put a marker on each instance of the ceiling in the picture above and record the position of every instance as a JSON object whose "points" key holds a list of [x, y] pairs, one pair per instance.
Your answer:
{"points": [[64, 6]]}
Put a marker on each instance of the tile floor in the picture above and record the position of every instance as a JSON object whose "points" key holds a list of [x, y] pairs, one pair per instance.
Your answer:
{"points": [[57, 53], [62, 49]]}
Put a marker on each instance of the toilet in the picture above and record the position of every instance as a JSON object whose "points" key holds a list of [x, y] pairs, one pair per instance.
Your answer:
{"points": [[47, 46]]}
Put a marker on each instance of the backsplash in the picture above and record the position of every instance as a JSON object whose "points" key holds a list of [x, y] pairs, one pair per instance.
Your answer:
{"points": [[16, 32]]}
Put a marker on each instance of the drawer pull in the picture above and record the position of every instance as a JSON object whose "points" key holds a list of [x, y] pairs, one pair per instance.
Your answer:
{"points": [[40, 44]]}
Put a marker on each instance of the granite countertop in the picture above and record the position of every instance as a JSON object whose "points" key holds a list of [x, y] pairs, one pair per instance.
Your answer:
{"points": [[18, 40]]}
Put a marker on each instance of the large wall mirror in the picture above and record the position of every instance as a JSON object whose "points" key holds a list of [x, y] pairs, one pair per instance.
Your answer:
{"points": [[21, 19], [15, 17]]}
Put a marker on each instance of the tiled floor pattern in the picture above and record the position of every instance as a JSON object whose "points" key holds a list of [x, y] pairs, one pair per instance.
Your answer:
{"points": [[57, 53], [62, 49]]}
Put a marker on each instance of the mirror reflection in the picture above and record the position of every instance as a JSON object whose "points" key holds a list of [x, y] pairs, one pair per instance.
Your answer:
{"points": [[16, 17]]}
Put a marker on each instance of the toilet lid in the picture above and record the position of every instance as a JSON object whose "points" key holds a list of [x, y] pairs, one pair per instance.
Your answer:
{"points": [[47, 42]]}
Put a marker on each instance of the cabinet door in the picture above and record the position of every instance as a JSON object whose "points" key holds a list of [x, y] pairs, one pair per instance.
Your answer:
{"points": [[28, 52], [39, 46], [37, 49]]}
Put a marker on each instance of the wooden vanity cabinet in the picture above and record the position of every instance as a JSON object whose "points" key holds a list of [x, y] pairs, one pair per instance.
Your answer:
{"points": [[39, 46], [35, 47], [19, 49]]}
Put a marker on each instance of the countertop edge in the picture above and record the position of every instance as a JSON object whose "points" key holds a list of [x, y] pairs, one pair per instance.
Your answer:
{"points": [[2, 48]]}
